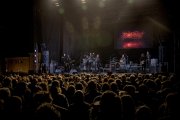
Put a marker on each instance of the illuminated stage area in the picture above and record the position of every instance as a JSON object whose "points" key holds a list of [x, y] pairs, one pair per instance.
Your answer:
{"points": [[109, 28]]}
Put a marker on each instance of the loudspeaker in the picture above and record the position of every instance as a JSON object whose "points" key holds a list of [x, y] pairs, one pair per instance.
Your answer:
{"points": [[162, 54]]}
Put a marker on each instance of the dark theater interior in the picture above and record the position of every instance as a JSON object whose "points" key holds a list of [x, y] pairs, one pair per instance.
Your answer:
{"points": [[89, 59]]}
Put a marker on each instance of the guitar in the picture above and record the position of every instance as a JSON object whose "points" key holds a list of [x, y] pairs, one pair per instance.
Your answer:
{"points": [[142, 62]]}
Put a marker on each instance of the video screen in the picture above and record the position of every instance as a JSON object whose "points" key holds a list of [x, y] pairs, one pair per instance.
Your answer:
{"points": [[132, 39]]}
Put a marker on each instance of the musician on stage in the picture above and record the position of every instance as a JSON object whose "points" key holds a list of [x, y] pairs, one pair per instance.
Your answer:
{"points": [[97, 62], [66, 60], [148, 59], [90, 61], [143, 62], [85, 62], [123, 59]]}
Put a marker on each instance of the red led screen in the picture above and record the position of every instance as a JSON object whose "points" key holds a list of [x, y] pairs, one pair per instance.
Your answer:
{"points": [[132, 39]]}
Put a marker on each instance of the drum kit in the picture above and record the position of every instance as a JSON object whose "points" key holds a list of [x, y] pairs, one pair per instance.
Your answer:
{"points": [[90, 63], [116, 64]]}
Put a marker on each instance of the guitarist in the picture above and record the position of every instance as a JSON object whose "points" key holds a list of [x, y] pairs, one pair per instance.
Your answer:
{"points": [[143, 62]]}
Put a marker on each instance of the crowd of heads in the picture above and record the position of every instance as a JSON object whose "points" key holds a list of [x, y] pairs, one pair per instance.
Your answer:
{"points": [[90, 96]]}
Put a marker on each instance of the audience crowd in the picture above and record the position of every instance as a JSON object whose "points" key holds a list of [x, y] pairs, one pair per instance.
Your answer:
{"points": [[90, 96]]}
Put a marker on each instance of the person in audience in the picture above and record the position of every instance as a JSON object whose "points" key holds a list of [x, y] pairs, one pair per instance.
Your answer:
{"points": [[79, 109]]}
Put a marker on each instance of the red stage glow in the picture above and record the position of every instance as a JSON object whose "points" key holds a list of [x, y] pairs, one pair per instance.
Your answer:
{"points": [[132, 35], [132, 45]]}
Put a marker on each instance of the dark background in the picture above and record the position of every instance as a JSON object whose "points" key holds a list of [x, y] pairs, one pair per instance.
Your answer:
{"points": [[16, 27]]}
